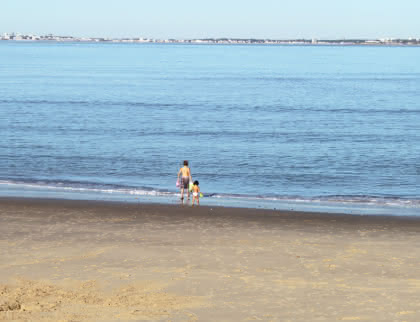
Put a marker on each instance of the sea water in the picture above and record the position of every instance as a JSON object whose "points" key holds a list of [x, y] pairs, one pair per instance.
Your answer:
{"points": [[329, 128]]}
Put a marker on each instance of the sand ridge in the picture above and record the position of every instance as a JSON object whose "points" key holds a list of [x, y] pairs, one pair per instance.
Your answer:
{"points": [[85, 300]]}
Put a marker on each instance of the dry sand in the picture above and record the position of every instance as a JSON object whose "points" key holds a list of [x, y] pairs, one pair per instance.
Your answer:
{"points": [[92, 261]]}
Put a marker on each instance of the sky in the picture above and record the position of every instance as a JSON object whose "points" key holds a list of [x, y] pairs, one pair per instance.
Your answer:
{"points": [[186, 19]]}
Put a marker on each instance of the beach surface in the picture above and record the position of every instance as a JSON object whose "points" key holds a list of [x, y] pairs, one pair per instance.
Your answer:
{"points": [[97, 261]]}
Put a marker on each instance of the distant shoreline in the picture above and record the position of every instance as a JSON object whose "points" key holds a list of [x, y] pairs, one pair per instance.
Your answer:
{"points": [[217, 41], [215, 44]]}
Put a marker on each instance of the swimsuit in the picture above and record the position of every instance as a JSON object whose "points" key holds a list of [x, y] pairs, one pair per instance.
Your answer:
{"points": [[185, 182], [195, 194]]}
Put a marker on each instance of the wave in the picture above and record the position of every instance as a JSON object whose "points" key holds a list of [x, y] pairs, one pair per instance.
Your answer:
{"points": [[336, 199], [268, 107], [124, 190], [93, 103]]}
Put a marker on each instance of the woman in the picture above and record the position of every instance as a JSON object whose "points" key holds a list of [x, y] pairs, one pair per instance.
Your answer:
{"points": [[185, 175]]}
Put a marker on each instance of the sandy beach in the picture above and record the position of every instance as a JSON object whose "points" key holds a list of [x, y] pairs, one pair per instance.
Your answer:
{"points": [[97, 261]]}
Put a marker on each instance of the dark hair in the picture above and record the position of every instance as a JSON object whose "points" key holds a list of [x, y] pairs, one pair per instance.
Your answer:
{"points": [[186, 162], [196, 183]]}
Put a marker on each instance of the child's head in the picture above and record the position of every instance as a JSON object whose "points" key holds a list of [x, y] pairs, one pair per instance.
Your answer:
{"points": [[186, 163], [196, 183]]}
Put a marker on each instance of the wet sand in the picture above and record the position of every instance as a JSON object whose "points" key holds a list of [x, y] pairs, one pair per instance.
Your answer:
{"points": [[97, 261]]}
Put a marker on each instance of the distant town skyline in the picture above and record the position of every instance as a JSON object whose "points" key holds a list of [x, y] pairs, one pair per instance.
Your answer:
{"points": [[187, 19], [59, 38]]}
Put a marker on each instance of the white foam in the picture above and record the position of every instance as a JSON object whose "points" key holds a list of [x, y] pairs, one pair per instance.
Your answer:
{"points": [[359, 203]]}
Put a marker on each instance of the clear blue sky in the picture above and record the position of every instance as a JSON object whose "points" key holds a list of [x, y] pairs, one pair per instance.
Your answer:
{"points": [[281, 19]]}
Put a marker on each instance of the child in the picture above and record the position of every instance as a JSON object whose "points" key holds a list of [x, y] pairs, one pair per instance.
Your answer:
{"points": [[196, 193]]}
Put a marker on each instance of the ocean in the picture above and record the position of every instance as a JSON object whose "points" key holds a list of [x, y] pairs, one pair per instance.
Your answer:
{"points": [[319, 128]]}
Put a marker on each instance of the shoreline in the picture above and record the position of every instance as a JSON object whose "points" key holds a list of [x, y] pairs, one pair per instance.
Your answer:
{"points": [[95, 260], [207, 210], [244, 202], [308, 43]]}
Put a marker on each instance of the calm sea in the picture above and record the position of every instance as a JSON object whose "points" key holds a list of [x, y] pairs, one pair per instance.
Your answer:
{"points": [[301, 127]]}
